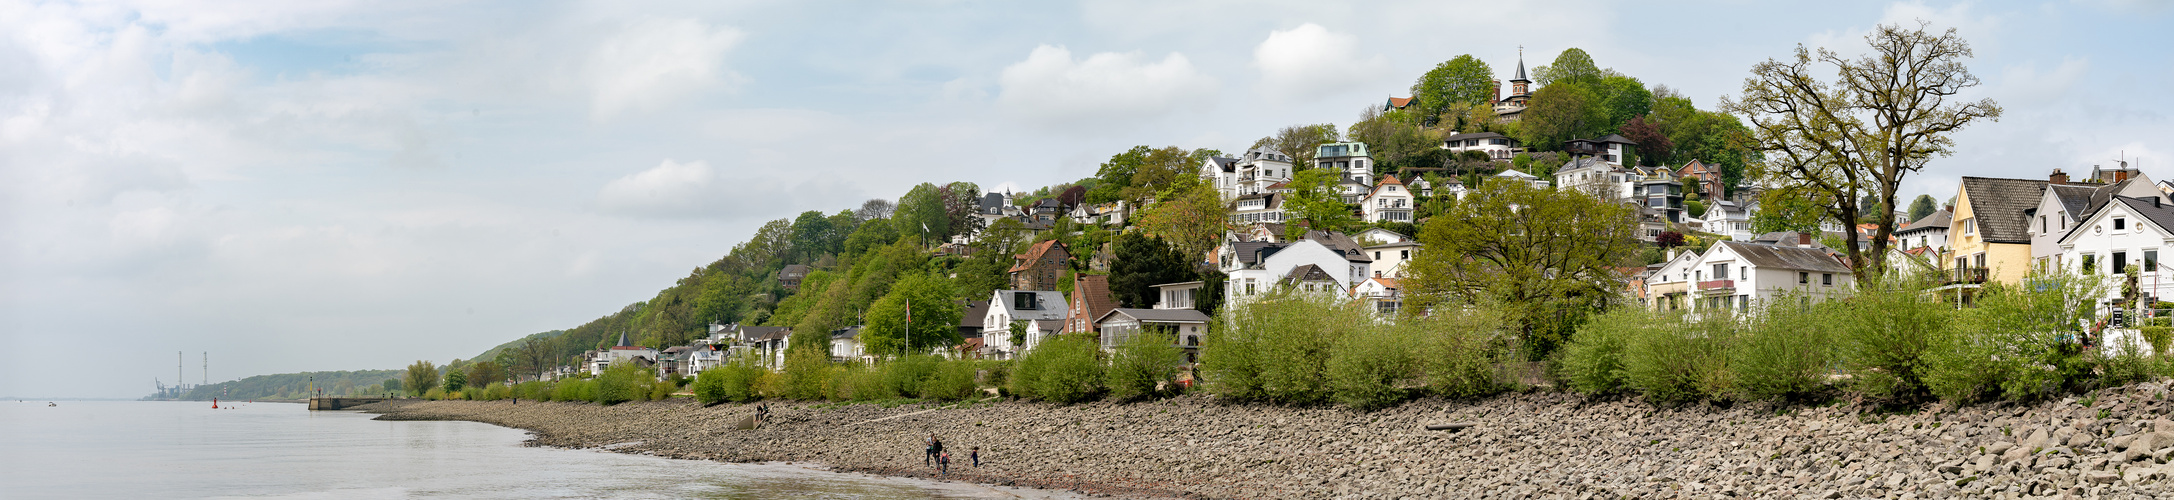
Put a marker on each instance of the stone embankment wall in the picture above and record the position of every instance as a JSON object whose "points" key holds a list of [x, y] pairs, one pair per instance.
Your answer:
{"points": [[1531, 445]]}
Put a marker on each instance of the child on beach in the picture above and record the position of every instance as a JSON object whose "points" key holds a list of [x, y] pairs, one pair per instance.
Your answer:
{"points": [[975, 455], [943, 464]]}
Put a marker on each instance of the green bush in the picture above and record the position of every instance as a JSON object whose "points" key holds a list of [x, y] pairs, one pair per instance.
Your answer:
{"points": [[2019, 343], [621, 383], [1368, 367], [574, 389], [1275, 349], [740, 379], [1062, 369], [904, 376], [1675, 360], [709, 387], [1465, 356], [1785, 351], [535, 390], [1592, 362], [953, 380], [472, 393], [2157, 336], [1143, 365], [1885, 332], [808, 373], [1025, 373], [434, 394], [858, 382]]}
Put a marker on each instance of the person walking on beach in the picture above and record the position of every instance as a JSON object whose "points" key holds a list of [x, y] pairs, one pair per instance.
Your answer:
{"points": [[929, 449], [975, 455], [943, 464]]}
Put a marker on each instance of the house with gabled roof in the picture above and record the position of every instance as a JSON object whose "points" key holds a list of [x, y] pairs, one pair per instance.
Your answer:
{"points": [[1253, 268], [1043, 310], [1497, 146], [789, 277], [1381, 295], [1041, 267], [1735, 277], [2065, 203], [1388, 251], [1173, 313], [1990, 233], [1091, 298], [1388, 202], [2125, 233]]}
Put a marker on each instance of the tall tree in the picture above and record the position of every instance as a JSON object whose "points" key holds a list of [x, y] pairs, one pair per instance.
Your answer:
{"points": [[1140, 262], [960, 199], [1299, 142], [1460, 80], [1314, 199], [1546, 256], [811, 236], [1191, 216], [875, 208], [1883, 118], [1621, 99], [934, 317], [421, 376], [1922, 207], [1654, 148], [921, 213], [1396, 138], [1561, 112], [1571, 66]]}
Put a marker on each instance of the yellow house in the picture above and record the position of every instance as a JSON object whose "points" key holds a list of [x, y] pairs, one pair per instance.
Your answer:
{"points": [[1990, 235]]}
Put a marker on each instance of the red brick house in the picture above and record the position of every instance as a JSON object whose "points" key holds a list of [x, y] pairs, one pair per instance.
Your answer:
{"points": [[1041, 266]]}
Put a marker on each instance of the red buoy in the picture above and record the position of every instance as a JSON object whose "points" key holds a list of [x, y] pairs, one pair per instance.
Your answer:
{"points": [[215, 403]]}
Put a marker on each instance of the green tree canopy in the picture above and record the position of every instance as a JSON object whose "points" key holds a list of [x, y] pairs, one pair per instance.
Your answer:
{"points": [[934, 317], [1463, 79], [1546, 256], [1314, 199], [1922, 206], [1300, 141], [421, 377], [1571, 66], [1140, 263], [921, 213], [1562, 112]]}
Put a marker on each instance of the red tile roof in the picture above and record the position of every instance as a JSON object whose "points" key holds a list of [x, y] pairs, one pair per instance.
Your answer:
{"points": [[1034, 254], [1094, 292]]}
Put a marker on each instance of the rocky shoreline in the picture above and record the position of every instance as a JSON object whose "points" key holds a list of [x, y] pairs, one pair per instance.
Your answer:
{"points": [[2112, 444]]}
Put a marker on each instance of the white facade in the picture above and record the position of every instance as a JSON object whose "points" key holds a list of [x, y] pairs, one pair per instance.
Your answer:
{"points": [[1726, 218], [1389, 202], [1497, 146], [1735, 277], [1593, 177], [1521, 176], [1244, 282], [1258, 169], [2120, 235], [1349, 158], [1382, 295], [2054, 215], [1006, 306]]}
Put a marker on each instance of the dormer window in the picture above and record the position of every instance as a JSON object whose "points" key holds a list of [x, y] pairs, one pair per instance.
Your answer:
{"points": [[2120, 223]]}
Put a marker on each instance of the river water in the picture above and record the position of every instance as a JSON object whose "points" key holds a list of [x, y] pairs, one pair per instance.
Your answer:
{"points": [[113, 449]]}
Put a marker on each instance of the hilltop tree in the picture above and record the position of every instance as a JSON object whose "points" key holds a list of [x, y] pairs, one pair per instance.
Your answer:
{"points": [[1573, 65], [1921, 207], [1396, 138], [1460, 80], [1654, 148], [485, 373], [1883, 118], [875, 208], [1546, 256], [1191, 217], [921, 213], [1562, 112]]}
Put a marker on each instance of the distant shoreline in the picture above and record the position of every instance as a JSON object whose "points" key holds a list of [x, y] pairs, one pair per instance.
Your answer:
{"points": [[1537, 444]]}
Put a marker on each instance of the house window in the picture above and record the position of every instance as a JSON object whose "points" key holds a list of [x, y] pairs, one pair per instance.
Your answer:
{"points": [[1981, 260], [2121, 261], [2041, 224], [2151, 261], [2090, 264], [2120, 224], [1826, 279], [1404, 254], [1970, 226], [1377, 255], [1804, 278]]}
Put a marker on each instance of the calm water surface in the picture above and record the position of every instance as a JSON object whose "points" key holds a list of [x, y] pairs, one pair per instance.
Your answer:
{"points": [[282, 450]]}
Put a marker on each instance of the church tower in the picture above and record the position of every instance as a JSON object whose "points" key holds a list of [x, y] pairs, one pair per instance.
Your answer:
{"points": [[1520, 87]]}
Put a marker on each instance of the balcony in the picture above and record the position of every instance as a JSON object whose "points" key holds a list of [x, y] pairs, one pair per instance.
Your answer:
{"points": [[1717, 286], [1964, 276]]}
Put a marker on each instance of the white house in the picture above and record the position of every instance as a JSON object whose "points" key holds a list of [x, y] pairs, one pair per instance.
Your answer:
{"points": [[1594, 177], [2126, 232], [1382, 295], [845, 345], [1513, 174], [1222, 173], [2063, 204], [1350, 159], [1611, 149], [1254, 267], [1031, 306], [1388, 250], [1729, 219], [1259, 169], [1668, 286], [1188, 326], [1259, 207], [623, 352], [1497, 146], [1389, 202], [1733, 276]]}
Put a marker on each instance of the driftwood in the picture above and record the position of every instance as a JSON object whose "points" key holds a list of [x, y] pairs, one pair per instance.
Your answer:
{"points": [[1452, 427]]}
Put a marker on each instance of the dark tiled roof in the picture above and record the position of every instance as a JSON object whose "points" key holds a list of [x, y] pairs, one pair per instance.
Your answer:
{"points": [[975, 311], [1998, 205], [1159, 315], [1939, 219], [1787, 257], [1227, 164], [1307, 272], [1475, 135], [1341, 243], [2161, 215], [1094, 291], [2074, 199], [1253, 252]]}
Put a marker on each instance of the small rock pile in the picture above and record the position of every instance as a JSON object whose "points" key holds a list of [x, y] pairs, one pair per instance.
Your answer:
{"points": [[2114, 444]]}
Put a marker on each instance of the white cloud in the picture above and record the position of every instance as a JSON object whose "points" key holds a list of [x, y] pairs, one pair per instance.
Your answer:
{"points": [[672, 188], [1311, 62], [653, 62], [1052, 88]]}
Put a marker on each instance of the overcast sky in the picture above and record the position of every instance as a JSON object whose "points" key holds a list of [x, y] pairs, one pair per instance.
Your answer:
{"points": [[338, 185]]}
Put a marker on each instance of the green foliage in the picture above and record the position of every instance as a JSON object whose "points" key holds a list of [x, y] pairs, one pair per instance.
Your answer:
{"points": [[1141, 366], [574, 389], [1369, 368], [1562, 112], [1315, 200], [904, 376], [807, 373], [934, 317], [1573, 65], [2019, 343], [1592, 362], [921, 214], [734, 382], [2157, 337], [1885, 332], [622, 382], [1682, 361], [952, 380], [1786, 351], [421, 376], [1546, 263], [1463, 79], [1300, 142], [1140, 263], [1922, 207], [1304, 349], [1398, 138], [1062, 369], [455, 379]]}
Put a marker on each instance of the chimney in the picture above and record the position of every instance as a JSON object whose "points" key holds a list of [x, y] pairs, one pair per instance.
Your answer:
{"points": [[1804, 239], [2058, 178]]}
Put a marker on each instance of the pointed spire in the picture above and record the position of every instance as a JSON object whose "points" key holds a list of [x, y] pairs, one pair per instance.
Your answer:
{"points": [[1520, 65], [622, 338]]}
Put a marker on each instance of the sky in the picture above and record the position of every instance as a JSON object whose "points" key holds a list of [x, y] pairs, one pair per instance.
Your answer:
{"points": [[345, 185]]}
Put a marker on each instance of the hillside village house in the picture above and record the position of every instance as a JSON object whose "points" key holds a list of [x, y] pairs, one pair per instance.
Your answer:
{"points": [[1042, 310], [1388, 251], [624, 352], [1041, 267], [1496, 146], [1380, 295], [1612, 149], [1668, 287], [1733, 276], [2126, 232], [1509, 108], [1990, 236], [1388, 202], [789, 277], [1727, 218], [2064, 204], [1173, 314], [846, 346], [1515, 175], [1090, 299], [1703, 178], [1593, 176], [1257, 170], [1254, 267]]}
